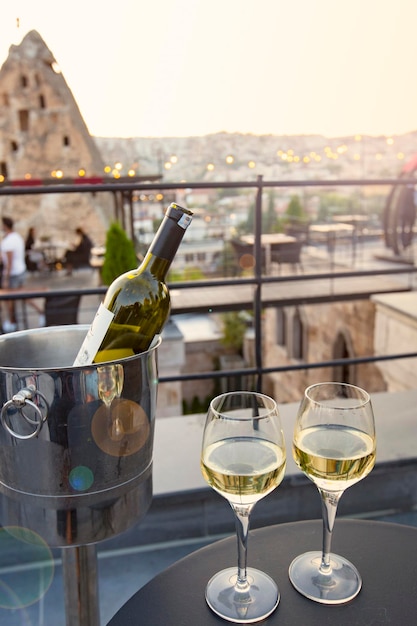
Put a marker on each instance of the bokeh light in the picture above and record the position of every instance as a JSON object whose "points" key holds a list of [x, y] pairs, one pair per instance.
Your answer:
{"points": [[121, 429]]}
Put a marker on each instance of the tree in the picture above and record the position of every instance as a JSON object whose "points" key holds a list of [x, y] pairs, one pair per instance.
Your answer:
{"points": [[250, 222], [234, 329], [188, 273], [332, 203], [270, 216], [295, 209], [120, 256]]}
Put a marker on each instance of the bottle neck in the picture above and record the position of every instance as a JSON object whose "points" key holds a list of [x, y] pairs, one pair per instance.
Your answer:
{"points": [[157, 266], [165, 244]]}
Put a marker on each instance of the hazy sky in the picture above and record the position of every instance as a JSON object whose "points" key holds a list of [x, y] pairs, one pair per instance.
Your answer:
{"points": [[191, 67]]}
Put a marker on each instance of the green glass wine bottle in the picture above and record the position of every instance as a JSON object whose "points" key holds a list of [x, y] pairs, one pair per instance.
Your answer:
{"points": [[137, 304]]}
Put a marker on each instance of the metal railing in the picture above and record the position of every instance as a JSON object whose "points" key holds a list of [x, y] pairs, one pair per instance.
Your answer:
{"points": [[257, 281]]}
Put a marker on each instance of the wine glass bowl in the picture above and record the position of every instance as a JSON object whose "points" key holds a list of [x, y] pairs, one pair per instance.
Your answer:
{"points": [[110, 380], [110, 385], [243, 459], [334, 445]]}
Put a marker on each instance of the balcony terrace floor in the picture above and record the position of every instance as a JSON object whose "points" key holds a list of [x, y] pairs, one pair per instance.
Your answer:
{"points": [[181, 518]]}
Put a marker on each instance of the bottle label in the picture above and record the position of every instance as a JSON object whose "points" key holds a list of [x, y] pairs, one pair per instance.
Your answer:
{"points": [[184, 221], [94, 337]]}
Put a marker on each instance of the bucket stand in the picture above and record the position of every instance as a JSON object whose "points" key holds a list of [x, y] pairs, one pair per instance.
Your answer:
{"points": [[79, 575], [88, 431]]}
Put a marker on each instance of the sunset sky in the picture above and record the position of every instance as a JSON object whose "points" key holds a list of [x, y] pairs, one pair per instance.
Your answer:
{"points": [[192, 67]]}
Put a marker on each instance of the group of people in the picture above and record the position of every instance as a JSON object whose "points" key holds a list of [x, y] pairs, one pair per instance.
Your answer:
{"points": [[18, 256]]}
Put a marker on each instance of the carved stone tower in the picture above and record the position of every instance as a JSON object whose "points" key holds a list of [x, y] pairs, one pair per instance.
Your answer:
{"points": [[43, 136]]}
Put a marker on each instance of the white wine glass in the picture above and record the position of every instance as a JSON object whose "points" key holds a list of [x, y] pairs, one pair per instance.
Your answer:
{"points": [[243, 459], [334, 445]]}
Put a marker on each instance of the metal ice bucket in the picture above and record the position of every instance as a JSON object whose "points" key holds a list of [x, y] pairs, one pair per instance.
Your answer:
{"points": [[75, 442]]}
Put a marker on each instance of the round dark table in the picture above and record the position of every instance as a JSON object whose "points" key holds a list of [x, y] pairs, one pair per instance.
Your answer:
{"points": [[385, 555]]}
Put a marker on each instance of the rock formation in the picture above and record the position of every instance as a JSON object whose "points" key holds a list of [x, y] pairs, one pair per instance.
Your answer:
{"points": [[43, 136]]}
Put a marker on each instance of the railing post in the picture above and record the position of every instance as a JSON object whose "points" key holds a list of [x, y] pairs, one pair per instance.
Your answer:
{"points": [[257, 299]]}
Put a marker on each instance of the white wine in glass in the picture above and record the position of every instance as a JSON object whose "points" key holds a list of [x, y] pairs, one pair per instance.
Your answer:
{"points": [[334, 445], [243, 459]]}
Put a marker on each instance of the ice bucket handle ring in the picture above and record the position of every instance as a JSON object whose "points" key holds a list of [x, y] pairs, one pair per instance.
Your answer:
{"points": [[19, 401]]}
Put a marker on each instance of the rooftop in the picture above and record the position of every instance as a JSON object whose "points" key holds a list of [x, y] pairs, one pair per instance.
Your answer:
{"points": [[186, 514]]}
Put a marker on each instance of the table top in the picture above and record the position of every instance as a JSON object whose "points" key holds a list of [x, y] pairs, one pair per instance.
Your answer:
{"points": [[270, 238], [385, 555], [331, 228], [351, 219]]}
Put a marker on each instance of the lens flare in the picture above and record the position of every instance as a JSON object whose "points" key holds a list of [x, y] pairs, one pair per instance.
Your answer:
{"points": [[81, 478], [27, 567]]}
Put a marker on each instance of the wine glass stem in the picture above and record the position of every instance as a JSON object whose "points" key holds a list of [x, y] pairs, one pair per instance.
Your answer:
{"points": [[242, 515], [329, 503]]}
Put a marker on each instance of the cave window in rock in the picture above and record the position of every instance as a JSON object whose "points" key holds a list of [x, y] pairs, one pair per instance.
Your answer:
{"points": [[3, 169], [42, 101], [66, 140], [14, 146], [281, 326], [24, 120], [298, 342], [342, 349], [24, 80]]}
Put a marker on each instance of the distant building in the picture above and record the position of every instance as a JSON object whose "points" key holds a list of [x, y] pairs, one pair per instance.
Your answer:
{"points": [[206, 255]]}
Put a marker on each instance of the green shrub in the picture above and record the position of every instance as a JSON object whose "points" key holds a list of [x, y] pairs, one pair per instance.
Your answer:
{"points": [[120, 254], [234, 329]]}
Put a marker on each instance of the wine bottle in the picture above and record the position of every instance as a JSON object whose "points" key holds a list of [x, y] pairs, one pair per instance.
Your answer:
{"points": [[137, 304]]}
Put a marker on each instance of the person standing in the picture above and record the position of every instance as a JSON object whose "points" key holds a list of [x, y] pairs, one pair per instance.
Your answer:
{"points": [[14, 268]]}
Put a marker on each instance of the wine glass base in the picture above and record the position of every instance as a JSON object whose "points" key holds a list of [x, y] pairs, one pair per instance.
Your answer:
{"points": [[341, 585], [254, 605]]}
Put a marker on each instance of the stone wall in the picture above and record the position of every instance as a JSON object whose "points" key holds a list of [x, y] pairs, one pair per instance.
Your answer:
{"points": [[396, 333], [325, 332], [171, 359], [200, 356]]}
